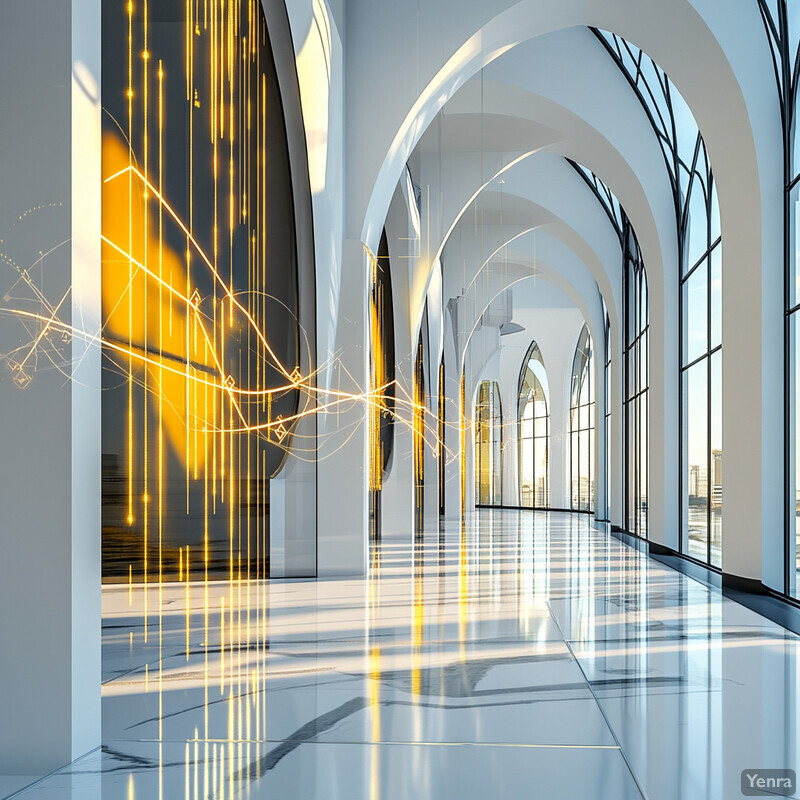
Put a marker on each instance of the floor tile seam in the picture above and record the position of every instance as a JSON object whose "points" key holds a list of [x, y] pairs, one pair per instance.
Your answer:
{"points": [[600, 708], [359, 742], [49, 775]]}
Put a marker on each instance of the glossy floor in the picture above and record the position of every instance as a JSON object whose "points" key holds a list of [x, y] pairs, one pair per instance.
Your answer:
{"points": [[528, 655]]}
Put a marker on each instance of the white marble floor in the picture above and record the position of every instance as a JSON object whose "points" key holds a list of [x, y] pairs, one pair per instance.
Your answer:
{"points": [[528, 655]]}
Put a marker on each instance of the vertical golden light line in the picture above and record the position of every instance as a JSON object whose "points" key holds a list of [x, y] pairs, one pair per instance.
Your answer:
{"points": [[224, 34], [213, 787], [188, 45], [221, 36], [231, 171], [130, 264], [462, 589], [262, 199], [440, 451], [462, 562], [196, 417], [206, 510], [463, 443], [231, 487], [417, 625], [145, 371], [215, 162], [239, 476], [206, 765], [376, 376], [375, 706], [374, 685], [264, 530], [196, 781], [250, 308], [259, 519], [160, 431], [186, 771], [213, 83], [188, 604], [190, 91]]}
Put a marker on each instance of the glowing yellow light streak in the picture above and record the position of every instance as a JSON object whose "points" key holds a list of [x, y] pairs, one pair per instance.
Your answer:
{"points": [[217, 277]]}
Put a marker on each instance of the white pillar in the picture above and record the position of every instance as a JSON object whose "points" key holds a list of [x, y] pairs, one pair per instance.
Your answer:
{"points": [[50, 470], [342, 478]]}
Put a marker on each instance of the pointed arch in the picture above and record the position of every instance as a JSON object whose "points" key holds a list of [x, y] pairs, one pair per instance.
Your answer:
{"points": [[488, 445], [581, 424], [533, 418]]}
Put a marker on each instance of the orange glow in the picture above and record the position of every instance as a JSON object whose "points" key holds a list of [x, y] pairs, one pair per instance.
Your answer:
{"points": [[133, 309]]}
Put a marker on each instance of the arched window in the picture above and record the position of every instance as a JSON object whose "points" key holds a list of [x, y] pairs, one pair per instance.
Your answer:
{"points": [[701, 369], [581, 425], [636, 361], [700, 245], [488, 445], [203, 348], [534, 431]]}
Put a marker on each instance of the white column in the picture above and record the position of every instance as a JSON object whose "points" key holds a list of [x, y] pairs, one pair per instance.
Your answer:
{"points": [[342, 478], [50, 469], [397, 496], [397, 500]]}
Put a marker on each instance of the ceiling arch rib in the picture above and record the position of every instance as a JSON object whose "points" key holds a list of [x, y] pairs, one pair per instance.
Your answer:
{"points": [[620, 145]]}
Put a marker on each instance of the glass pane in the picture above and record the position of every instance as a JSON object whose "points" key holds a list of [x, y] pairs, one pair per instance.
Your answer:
{"points": [[795, 293], [632, 304], [584, 470], [715, 490], [526, 473], [796, 142], [643, 310], [643, 464], [527, 428], [525, 407], [697, 228], [793, 15], [590, 470], [716, 295], [695, 314], [685, 125], [540, 473], [643, 362], [695, 506], [716, 230], [574, 471], [794, 460], [630, 455]]}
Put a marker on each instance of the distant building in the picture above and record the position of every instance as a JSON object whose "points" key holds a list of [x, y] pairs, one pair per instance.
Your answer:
{"points": [[716, 478]]}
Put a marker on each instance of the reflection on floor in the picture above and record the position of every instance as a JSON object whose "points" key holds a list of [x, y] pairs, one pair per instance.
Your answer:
{"points": [[529, 655]]}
